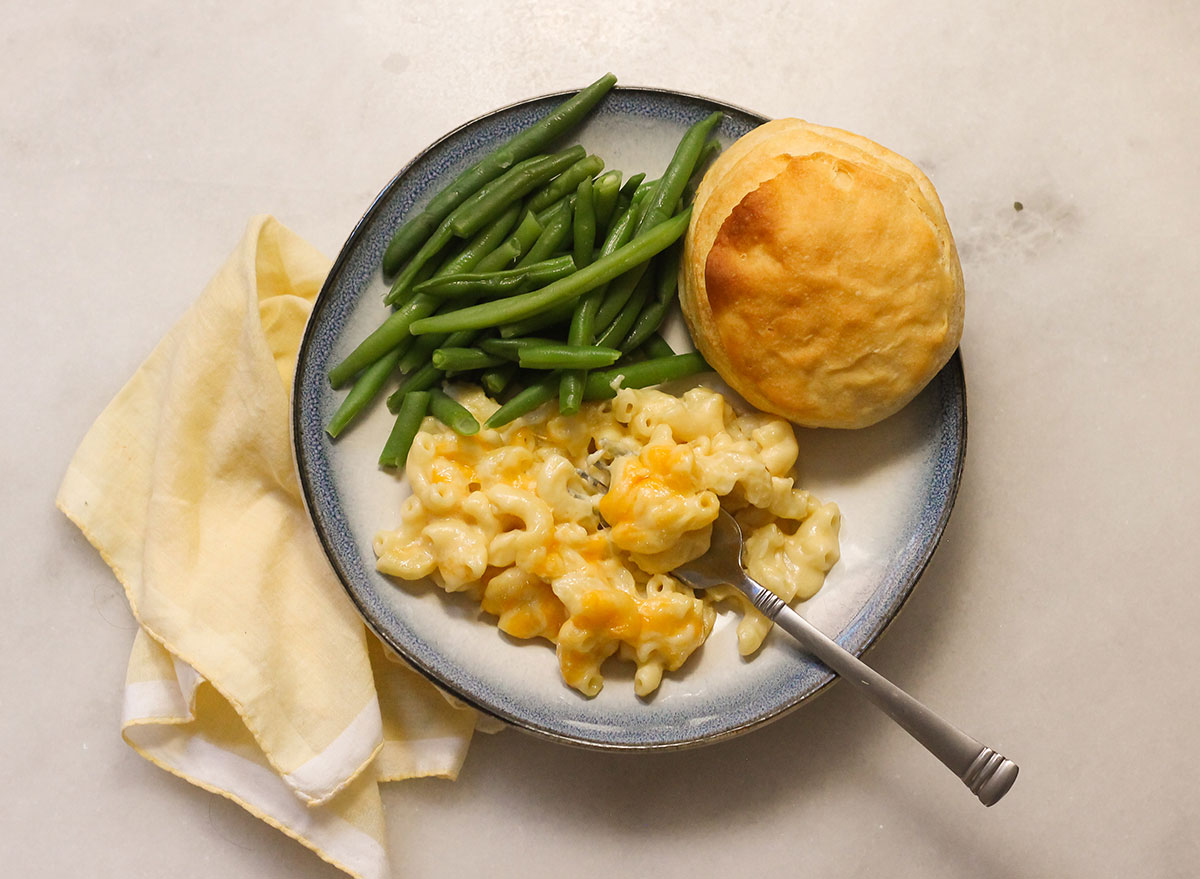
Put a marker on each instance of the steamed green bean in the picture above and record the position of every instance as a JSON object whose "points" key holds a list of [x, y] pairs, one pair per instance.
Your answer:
{"points": [[670, 186], [566, 182], [647, 322], [566, 356], [451, 413], [363, 392], [421, 380], [422, 350], [534, 139], [641, 375], [555, 229], [463, 359], [481, 208], [496, 379], [500, 283], [607, 192], [485, 241], [408, 422], [510, 349], [584, 225], [656, 346], [487, 314], [514, 246], [538, 322], [525, 401], [622, 322]]}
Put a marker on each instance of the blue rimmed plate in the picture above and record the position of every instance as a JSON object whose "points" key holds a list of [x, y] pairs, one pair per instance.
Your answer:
{"points": [[895, 483]]}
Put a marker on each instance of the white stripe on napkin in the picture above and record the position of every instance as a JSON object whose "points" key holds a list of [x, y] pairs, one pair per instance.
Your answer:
{"points": [[189, 679], [264, 794], [155, 700], [328, 772]]}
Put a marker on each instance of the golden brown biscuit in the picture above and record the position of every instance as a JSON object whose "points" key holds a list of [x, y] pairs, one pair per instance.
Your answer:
{"points": [[820, 278]]}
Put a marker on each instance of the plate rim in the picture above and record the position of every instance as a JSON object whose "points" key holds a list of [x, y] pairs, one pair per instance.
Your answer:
{"points": [[524, 724]]}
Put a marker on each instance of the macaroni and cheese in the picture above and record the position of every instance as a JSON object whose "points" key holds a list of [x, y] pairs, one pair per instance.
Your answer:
{"points": [[506, 516]]}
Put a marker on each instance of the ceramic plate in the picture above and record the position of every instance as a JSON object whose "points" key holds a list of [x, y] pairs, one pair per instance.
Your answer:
{"points": [[895, 484]]}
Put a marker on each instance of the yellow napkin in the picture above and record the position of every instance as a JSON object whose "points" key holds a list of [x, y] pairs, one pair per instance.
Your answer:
{"points": [[251, 674]]}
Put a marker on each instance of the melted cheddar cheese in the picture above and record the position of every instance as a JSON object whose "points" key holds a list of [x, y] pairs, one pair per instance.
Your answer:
{"points": [[506, 516]]}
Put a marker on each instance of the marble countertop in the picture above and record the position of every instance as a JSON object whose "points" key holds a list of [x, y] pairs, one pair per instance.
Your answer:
{"points": [[136, 141]]}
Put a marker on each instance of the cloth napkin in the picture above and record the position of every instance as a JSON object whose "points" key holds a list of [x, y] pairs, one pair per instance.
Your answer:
{"points": [[251, 674]]}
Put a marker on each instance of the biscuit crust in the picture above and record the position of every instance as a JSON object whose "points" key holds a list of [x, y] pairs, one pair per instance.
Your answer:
{"points": [[820, 278]]}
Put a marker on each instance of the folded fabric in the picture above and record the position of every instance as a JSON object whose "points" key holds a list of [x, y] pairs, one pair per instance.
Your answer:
{"points": [[251, 674]]}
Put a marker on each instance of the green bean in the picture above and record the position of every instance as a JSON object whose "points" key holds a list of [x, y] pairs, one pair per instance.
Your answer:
{"points": [[580, 332], [524, 144], [619, 233], [570, 391], [647, 323], [496, 379], [388, 336], [395, 329], [612, 297], [652, 315], [514, 308], [501, 283], [417, 355], [537, 322], [463, 359], [421, 380], [657, 346], [707, 154], [492, 201], [401, 289], [524, 236], [555, 230], [422, 351], [584, 226], [562, 118], [667, 272], [485, 205], [625, 224], [583, 322], [451, 413], [670, 186], [622, 322], [566, 356], [642, 375], [408, 422], [488, 239], [521, 240], [510, 349], [606, 191], [566, 182], [548, 214], [632, 185], [482, 244], [618, 295], [363, 392], [525, 401], [412, 272]]}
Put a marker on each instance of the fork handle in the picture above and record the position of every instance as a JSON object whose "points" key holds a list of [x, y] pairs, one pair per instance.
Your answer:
{"points": [[988, 774]]}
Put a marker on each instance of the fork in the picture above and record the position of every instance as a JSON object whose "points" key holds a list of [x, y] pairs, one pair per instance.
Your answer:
{"points": [[987, 774]]}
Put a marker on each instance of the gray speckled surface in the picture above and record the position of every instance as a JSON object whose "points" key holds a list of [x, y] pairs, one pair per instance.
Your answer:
{"points": [[135, 142]]}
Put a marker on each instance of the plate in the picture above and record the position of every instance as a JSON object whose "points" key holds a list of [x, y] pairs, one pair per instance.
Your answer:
{"points": [[895, 483]]}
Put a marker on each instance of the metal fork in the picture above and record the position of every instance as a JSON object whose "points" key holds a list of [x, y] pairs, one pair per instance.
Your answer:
{"points": [[988, 774]]}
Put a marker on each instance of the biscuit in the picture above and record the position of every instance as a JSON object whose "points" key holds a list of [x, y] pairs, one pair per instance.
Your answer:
{"points": [[820, 278]]}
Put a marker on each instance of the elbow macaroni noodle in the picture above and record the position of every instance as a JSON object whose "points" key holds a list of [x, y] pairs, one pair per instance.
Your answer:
{"points": [[505, 516]]}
